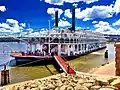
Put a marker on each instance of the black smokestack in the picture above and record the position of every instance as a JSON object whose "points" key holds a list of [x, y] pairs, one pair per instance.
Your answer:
{"points": [[56, 18], [73, 18]]}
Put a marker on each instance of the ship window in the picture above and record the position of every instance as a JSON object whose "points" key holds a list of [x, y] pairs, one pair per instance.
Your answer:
{"points": [[33, 39], [74, 35], [75, 47], [62, 31], [37, 39], [74, 40], [56, 40], [82, 46], [77, 40], [67, 40], [79, 47], [47, 40], [65, 35], [61, 40], [71, 41], [42, 40], [85, 46]]}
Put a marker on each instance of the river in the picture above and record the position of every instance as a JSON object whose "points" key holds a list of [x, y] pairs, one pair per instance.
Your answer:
{"points": [[18, 74]]}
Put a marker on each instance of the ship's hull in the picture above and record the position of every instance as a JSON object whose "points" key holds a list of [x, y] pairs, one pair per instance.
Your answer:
{"points": [[28, 58]]}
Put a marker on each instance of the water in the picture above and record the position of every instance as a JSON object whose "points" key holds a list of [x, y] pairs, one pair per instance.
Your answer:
{"points": [[95, 59], [18, 74]]}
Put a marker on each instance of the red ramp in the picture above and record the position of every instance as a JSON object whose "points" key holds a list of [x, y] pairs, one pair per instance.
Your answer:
{"points": [[64, 65]]}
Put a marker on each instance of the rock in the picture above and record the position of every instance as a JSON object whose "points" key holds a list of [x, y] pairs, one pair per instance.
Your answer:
{"points": [[88, 85], [66, 82], [72, 84], [54, 78], [70, 88], [51, 86], [81, 88], [57, 83], [21, 88], [63, 80], [91, 81], [106, 89], [43, 88], [34, 89], [28, 88], [15, 87], [33, 85], [81, 81], [101, 82], [2, 88], [116, 83], [74, 80], [111, 80], [97, 87], [57, 88], [64, 87], [69, 82], [115, 88]]}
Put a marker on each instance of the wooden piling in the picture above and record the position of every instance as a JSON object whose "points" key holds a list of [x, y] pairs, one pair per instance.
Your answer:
{"points": [[5, 76], [117, 59]]}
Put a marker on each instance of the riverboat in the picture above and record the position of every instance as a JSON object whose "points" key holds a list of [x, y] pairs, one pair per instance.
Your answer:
{"points": [[66, 42]]}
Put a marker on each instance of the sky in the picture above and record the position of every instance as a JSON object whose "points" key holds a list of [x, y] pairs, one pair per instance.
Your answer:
{"points": [[97, 15]]}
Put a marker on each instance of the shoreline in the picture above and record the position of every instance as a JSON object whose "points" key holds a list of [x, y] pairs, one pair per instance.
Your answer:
{"points": [[103, 73], [107, 69], [61, 81]]}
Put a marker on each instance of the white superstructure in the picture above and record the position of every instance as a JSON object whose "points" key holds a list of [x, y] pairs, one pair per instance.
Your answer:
{"points": [[64, 42]]}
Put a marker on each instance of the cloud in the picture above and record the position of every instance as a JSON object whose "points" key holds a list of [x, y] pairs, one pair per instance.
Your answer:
{"points": [[94, 22], [96, 12], [29, 30], [117, 6], [67, 13], [55, 2], [51, 11], [117, 23], [2, 8], [86, 1], [63, 23], [11, 26], [105, 28], [93, 13], [78, 28], [61, 2], [90, 1], [23, 24]]}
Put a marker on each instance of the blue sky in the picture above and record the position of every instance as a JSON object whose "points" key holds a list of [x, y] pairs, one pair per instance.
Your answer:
{"points": [[97, 15]]}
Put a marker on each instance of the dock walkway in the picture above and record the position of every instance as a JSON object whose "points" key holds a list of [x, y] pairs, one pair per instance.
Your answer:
{"points": [[64, 65]]}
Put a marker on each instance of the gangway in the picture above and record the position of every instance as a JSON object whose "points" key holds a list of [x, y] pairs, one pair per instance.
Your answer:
{"points": [[64, 65]]}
